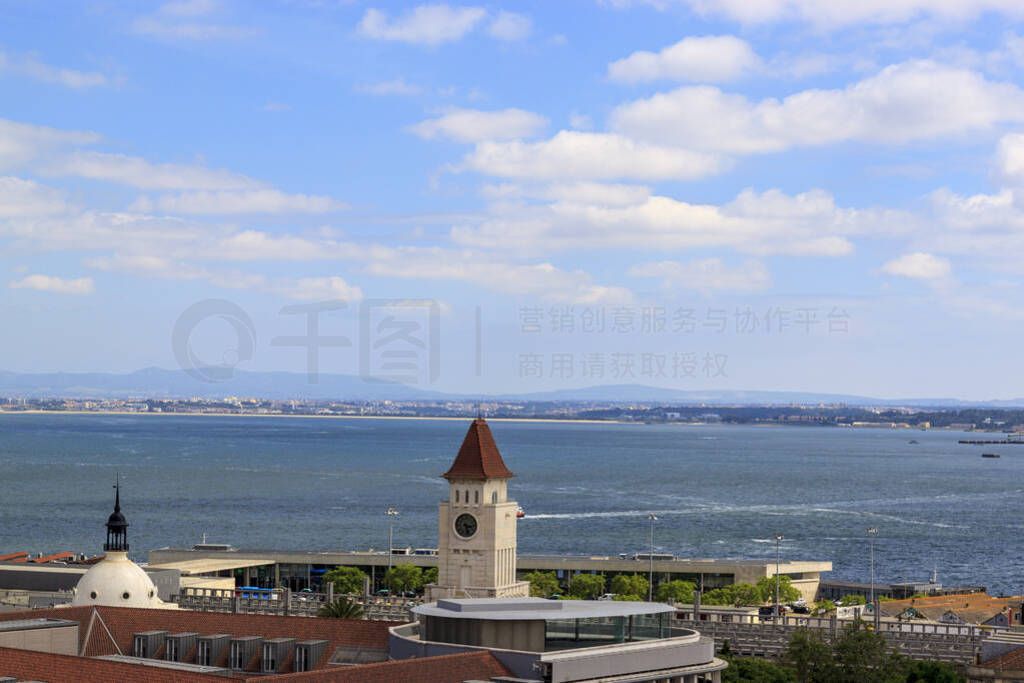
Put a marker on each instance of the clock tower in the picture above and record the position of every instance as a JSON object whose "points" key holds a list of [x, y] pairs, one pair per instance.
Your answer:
{"points": [[476, 530]]}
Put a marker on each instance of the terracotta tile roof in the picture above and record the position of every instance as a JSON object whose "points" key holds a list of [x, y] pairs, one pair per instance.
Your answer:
{"points": [[110, 629], [36, 666], [14, 557], [479, 457], [972, 607], [1010, 661], [444, 669]]}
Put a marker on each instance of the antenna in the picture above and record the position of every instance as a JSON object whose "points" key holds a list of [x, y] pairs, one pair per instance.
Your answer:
{"points": [[479, 411]]}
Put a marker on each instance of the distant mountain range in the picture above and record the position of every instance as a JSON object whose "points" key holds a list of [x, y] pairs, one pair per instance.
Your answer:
{"points": [[160, 383]]}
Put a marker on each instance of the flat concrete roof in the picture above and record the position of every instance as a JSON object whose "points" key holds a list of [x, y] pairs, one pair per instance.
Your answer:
{"points": [[527, 561], [30, 624], [205, 566], [537, 609]]}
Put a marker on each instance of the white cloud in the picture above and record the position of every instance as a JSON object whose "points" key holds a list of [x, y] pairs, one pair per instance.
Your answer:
{"points": [[23, 142], [473, 125], [174, 21], [838, 13], [509, 26], [707, 275], [50, 283], [919, 265], [707, 59], [601, 194], [315, 289], [1010, 158], [423, 25], [26, 198], [542, 280], [576, 155], [904, 102], [398, 86], [33, 68], [581, 121], [240, 202], [189, 8], [137, 172], [755, 223]]}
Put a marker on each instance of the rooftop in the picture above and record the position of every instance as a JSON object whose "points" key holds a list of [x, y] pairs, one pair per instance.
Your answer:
{"points": [[478, 457], [537, 609]]}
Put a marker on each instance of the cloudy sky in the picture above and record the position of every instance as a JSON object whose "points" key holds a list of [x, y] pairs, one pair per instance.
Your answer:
{"points": [[699, 194]]}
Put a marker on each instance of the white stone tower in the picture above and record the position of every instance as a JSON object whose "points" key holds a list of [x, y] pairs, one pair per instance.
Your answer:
{"points": [[476, 530]]}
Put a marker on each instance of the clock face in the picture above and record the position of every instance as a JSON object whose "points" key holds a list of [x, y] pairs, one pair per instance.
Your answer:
{"points": [[465, 525]]}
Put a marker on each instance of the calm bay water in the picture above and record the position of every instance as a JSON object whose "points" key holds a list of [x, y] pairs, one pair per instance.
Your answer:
{"points": [[586, 488]]}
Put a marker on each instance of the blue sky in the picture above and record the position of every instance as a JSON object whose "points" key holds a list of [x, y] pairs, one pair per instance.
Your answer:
{"points": [[849, 174]]}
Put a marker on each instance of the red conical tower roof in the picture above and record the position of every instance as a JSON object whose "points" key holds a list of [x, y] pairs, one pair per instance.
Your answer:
{"points": [[479, 457]]}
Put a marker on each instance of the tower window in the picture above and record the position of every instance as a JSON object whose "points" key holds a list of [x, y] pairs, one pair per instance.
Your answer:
{"points": [[92, 595], [456, 495], [126, 595], [476, 497], [494, 497]]}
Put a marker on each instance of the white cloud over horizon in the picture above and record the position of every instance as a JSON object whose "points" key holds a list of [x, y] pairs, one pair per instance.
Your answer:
{"points": [[429, 25], [703, 59], [914, 100], [50, 283], [473, 125]]}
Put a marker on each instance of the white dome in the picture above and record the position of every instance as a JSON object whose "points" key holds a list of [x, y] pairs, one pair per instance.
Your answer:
{"points": [[116, 581]]}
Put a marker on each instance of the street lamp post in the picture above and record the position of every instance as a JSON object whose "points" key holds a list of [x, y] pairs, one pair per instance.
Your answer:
{"points": [[871, 539], [778, 540], [650, 557], [391, 513]]}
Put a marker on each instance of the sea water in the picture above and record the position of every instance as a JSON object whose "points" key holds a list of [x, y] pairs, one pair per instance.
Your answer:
{"points": [[586, 488]]}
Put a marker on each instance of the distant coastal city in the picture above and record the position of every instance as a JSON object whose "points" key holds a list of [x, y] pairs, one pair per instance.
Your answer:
{"points": [[998, 420]]}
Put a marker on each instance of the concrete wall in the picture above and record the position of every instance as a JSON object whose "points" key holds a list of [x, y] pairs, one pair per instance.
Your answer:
{"points": [[61, 640], [630, 658], [513, 634]]}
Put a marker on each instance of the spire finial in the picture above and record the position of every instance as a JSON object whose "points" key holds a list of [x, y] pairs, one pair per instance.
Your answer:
{"points": [[479, 411], [117, 492]]}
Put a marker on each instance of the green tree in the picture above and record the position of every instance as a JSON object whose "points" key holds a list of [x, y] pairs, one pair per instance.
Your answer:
{"points": [[542, 584], [862, 656], [676, 591], [809, 657], [735, 594], [933, 672], [823, 606], [628, 598], [346, 580], [629, 584], [848, 600], [430, 575], [404, 577], [755, 670], [342, 608], [586, 586], [787, 593]]}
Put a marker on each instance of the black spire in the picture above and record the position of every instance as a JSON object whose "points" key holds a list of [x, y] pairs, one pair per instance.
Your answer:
{"points": [[117, 525]]}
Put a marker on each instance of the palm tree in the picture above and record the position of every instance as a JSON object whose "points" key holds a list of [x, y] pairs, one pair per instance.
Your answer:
{"points": [[341, 608]]}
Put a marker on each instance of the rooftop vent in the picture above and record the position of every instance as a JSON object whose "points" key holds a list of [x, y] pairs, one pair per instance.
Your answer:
{"points": [[210, 648], [178, 645], [307, 654], [148, 643], [242, 650], [275, 652]]}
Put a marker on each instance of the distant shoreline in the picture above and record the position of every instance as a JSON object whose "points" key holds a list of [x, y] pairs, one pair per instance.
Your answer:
{"points": [[128, 413]]}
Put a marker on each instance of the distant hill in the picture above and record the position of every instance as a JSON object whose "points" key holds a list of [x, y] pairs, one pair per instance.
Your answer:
{"points": [[160, 383]]}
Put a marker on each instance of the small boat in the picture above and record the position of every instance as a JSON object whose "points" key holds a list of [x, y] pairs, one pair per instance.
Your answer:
{"points": [[912, 441], [990, 455], [519, 513]]}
